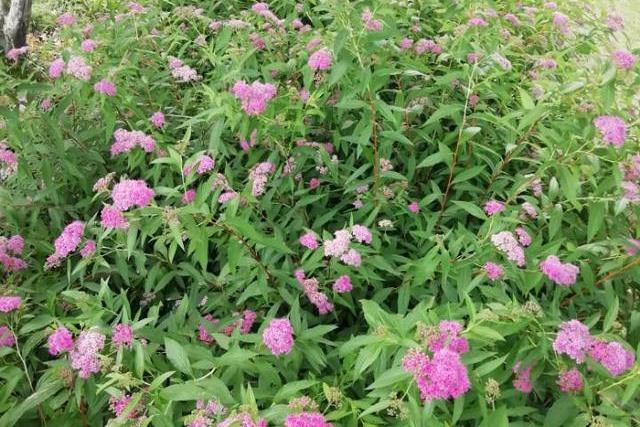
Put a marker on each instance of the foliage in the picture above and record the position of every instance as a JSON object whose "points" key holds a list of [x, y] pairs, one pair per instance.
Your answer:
{"points": [[383, 153]]}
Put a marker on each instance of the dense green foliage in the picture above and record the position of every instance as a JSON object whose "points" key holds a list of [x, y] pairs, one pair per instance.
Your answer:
{"points": [[420, 142]]}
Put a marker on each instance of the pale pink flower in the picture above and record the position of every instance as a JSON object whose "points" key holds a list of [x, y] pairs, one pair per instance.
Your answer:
{"points": [[56, 68], [278, 336], [105, 87], [309, 241], [157, 119], [562, 274], [66, 19], [78, 68], [570, 381], [9, 303], [493, 207], [254, 97], [624, 60], [129, 193], [320, 60], [88, 249], [112, 217], [494, 271], [88, 45], [342, 284]]}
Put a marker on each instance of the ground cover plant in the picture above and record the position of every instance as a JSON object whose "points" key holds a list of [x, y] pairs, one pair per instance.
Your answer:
{"points": [[323, 213]]}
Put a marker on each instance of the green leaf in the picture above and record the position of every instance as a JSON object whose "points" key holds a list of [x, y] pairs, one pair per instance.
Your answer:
{"points": [[177, 356], [596, 218], [45, 392], [470, 208], [292, 388], [560, 412], [249, 231]]}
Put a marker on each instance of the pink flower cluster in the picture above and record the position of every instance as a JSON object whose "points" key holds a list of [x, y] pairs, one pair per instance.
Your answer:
{"points": [[105, 87], [10, 251], [575, 340], [117, 404], [494, 271], [85, 354], [427, 46], [126, 141], [369, 23], [15, 53], [258, 177], [278, 336], [7, 338], [181, 72], [320, 60], [444, 376], [339, 246], [476, 21], [203, 164], [60, 341], [613, 129], [262, 9], [88, 45], [242, 419], [563, 274], [203, 334], [310, 287], [9, 303], [561, 22], [522, 381], [493, 207], [67, 242], [78, 68], [306, 419], [254, 97], [570, 381], [506, 242], [66, 19], [624, 60], [122, 335], [157, 119], [131, 192], [8, 162], [309, 240], [342, 284]]}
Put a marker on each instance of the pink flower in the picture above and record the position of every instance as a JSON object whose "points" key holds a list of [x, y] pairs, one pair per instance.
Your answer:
{"points": [[278, 336], [522, 381], [60, 341], [7, 338], [369, 23], [119, 404], [306, 419], [573, 339], [314, 183], [227, 196], [78, 68], [135, 8], [203, 333], [88, 45], [443, 377], [84, 356], [258, 177], [561, 22], [129, 192], [181, 72], [528, 210], [157, 119], [561, 274], [339, 245], [352, 258], [615, 22], [624, 60], [309, 241], [105, 87], [254, 97], [494, 271], [427, 46], [613, 356], [66, 19], [56, 68], [248, 317], [112, 217], [406, 43], [310, 288], [320, 60], [477, 22], [88, 248], [9, 248], [493, 207], [69, 239], [414, 361], [122, 335], [126, 141], [512, 19], [523, 236], [205, 164], [8, 162], [361, 234], [15, 53], [570, 381], [189, 196], [8, 304], [507, 243], [414, 207], [473, 57], [342, 284]]}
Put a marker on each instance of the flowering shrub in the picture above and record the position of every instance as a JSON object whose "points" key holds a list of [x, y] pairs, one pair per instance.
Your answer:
{"points": [[328, 213]]}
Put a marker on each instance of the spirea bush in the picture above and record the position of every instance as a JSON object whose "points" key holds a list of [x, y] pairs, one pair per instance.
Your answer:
{"points": [[329, 213]]}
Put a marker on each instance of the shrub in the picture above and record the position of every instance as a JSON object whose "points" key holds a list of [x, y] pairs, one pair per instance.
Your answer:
{"points": [[325, 213]]}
